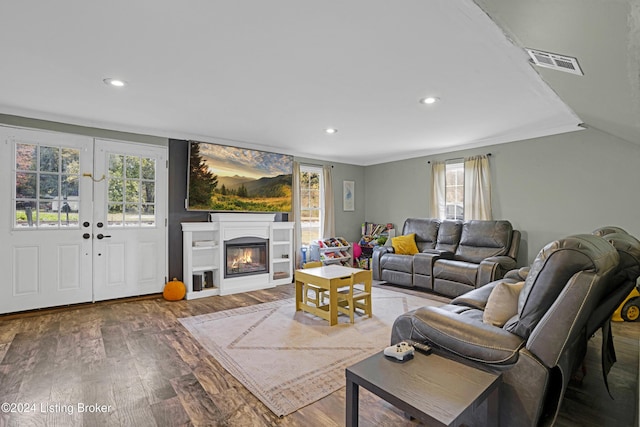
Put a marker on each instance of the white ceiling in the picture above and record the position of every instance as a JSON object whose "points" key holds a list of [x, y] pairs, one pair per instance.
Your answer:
{"points": [[274, 74]]}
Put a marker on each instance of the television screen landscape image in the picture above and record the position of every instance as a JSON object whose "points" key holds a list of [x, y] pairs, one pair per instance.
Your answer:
{"points": [[225, 178]]}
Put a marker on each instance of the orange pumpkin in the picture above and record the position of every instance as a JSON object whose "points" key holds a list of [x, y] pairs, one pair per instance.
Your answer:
{"points": [[174, 290]]}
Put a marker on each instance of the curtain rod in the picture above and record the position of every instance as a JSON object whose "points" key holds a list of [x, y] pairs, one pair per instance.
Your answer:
{"points": [[429, 161]]}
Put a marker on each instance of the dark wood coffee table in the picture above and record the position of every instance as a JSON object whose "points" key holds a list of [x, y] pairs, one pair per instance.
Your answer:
{"points": [[433, 389]]}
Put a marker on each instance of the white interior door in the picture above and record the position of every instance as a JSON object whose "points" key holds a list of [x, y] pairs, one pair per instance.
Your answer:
{"points": [[45, 225], [129, 219]]}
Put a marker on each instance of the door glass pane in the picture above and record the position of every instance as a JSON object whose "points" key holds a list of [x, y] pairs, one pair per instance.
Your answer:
{"points": [[148, 215], [69, 189], [48, 186], [48, 214], [68, 214], [26, 157], [26, 213], [133, 191], [115, 193], [70, 161], [49, 159], [148, 169], [26, 185], [133, 167], [43, 192], [115, 214], [148, 192], [115, 165], [132, 215]]}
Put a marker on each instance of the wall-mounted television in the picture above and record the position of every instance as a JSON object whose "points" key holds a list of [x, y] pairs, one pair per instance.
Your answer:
{"points": [[225, 178]]}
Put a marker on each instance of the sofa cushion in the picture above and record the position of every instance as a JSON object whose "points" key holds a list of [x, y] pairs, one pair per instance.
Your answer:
{"points": [[456, 271], [483, 239], [502, 303], [395, 262], [405, 245], [425, 229], [449, 235]]}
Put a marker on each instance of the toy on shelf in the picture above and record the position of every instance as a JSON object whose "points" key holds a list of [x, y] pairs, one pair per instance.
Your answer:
{"points": [[373, 235], [331, 250]]}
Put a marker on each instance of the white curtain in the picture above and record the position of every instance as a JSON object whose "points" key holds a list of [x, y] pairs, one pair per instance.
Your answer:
{"points": [[477, 188], [437, 204], [295, 215], [328, 222]]}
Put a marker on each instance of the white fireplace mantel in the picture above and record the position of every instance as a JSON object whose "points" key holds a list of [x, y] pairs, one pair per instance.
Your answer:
{"points": [[233, 226], [243, 217], [203, 247]]}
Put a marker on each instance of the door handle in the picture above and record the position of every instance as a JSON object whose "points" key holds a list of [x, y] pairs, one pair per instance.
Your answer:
{"points": [[86, 236], [102, 236]]}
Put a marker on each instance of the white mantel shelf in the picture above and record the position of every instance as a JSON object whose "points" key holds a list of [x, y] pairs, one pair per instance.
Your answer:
{"points": [[206, 256]]}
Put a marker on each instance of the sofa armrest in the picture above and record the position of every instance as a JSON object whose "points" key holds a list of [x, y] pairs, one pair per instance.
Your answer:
{"points": [[439, 253], [476, 298], [519, 274], [493, 268], [378, 252]]}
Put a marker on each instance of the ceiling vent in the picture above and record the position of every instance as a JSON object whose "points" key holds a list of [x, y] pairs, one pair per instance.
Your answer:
{"points": [[555, 61]]}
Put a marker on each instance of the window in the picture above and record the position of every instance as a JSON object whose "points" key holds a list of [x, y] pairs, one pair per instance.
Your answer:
{"points": [[454, 190], [461, 189], [46, 184], [311, 203], [132, 193]]}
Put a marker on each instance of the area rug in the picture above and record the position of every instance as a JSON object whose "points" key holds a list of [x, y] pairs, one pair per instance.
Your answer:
{"points": [[290, 359]]}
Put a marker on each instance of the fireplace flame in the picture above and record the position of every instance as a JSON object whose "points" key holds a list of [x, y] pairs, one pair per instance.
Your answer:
{"points": [[244, 259]]}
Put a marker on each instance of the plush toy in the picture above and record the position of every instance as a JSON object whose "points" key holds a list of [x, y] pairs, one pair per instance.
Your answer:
{"points": [[174, 290], [357, 250]]}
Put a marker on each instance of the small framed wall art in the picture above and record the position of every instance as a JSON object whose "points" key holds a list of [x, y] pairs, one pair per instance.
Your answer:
{"points": [[348, 196]]}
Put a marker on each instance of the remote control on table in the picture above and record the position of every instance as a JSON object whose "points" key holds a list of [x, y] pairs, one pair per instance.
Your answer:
{"points": [[421, 347]]}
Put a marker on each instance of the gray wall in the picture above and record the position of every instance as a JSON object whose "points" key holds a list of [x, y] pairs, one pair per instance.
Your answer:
{"points": [[547, 187]]}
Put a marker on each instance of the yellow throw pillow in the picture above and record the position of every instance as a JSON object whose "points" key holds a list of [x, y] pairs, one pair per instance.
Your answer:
{"points": [[405, 245], [502, 303]]}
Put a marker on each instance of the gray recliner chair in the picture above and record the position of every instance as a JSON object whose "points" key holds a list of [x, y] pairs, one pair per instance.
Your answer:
{"points": [[535, 348]]}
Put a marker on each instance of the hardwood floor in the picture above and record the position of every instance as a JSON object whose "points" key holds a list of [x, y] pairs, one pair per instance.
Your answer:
{"points": [[131, 363]]}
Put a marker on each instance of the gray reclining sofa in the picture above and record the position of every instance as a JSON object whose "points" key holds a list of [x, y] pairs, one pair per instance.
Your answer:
{"points": [[454, 256]]}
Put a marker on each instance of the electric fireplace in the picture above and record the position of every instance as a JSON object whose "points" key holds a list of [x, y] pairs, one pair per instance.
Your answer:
{"points": [[245, 256]]}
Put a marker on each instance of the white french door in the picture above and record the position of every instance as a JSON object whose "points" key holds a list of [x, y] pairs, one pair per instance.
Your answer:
{"points": [[51, 253], [129, 219]]}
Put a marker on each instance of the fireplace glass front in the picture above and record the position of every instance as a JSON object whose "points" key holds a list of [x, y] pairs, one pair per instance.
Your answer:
{"points": [[245, 256]]}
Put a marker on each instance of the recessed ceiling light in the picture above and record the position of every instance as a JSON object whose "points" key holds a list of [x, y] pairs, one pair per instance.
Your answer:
{"points": [[115, 82], [429, 100], [331, 130]]}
